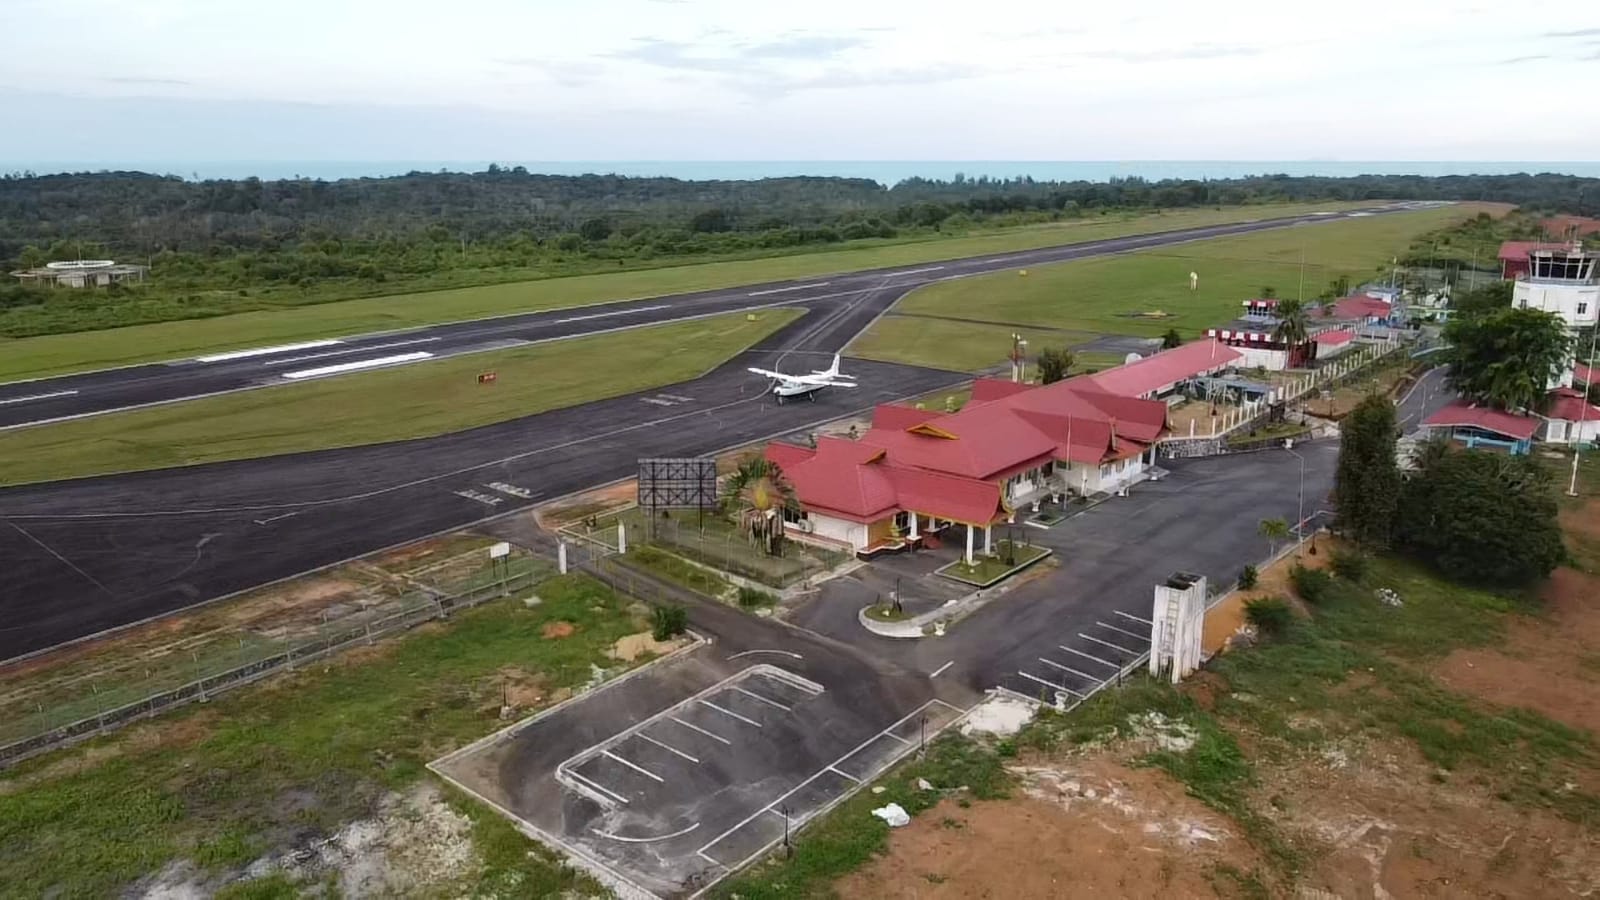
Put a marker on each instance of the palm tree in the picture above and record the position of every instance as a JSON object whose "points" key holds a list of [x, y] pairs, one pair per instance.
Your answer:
{"points": [[757, 494], [1291, 328], [1274, 530]]}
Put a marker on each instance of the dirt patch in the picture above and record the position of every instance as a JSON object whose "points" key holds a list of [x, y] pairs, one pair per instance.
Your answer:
{"points": [[631, 646], [557, 630], [1085, 829], [1225, 619], [1583, 520], [1545, 664]]}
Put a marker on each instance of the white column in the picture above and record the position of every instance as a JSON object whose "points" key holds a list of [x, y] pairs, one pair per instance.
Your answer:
{"points": [[561, 556], [622, 538], [969, 544], [988, 540], [913, 525]]}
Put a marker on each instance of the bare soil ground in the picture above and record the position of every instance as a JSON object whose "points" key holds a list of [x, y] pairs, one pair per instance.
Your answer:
{"points": [[1224, 620]]}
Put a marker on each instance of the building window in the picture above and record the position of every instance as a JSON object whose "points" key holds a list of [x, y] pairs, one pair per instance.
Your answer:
{"points": [[1583, 308]]}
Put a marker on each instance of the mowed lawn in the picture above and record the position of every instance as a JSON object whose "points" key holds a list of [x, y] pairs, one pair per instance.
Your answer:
{"points": [[62, 353], [1111, 295], [412, 401]]}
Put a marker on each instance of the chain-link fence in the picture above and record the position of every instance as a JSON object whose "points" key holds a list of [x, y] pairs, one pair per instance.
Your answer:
{"points": [[88, 703]]}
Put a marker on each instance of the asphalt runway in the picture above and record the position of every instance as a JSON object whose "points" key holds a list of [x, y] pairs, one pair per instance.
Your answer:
{"points": [[90, 393]]}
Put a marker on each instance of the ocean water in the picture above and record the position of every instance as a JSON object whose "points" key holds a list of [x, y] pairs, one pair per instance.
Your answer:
{"points": [[886, 172]]}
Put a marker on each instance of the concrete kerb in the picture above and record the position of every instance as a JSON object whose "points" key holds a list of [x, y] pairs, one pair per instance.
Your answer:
{"points": [[947, 615]]}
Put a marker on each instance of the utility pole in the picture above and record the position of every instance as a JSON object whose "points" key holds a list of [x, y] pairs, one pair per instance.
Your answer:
{"points": [[1018, 361]]}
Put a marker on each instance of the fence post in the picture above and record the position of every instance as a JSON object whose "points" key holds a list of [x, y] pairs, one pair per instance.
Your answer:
{"points": [[99, 708], [199, 677]]}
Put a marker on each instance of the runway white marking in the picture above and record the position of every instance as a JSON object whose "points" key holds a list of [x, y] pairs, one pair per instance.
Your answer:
{"points": [[693, 727], [266, 351], [784, 652], [666, 747], [937, 672], [270, 519], [37, 397], [915, 271], [1088, 656], [1084, 675], [347, 351], [756, 696], [1138, 637], [1131, 616], [607, 315], [633, 765], [359, 364], [1106, 643], [645, 840], [729, 712], [798, 287], [590, 782]]}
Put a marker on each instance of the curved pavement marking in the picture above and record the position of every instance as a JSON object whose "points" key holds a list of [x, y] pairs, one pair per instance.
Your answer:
{"points": [[645, 840], [788, 653]]}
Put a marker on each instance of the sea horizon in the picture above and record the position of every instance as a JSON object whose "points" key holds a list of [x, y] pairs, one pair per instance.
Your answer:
{"points": [[886, 172]]}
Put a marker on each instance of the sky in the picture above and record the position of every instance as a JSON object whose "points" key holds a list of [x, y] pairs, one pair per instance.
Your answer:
{"points": [[819, 80]]}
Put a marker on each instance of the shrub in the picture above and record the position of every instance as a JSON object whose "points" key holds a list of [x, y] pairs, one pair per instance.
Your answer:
{"points": [[1350, 565], [670, 621], [1248, 577], [1313, 585], [751, 598], [1270, 615]]}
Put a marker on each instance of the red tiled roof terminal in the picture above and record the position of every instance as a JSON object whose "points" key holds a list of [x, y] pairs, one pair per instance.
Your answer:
{"points": [[1500, 422], [1158, 370], [1568, 405]]}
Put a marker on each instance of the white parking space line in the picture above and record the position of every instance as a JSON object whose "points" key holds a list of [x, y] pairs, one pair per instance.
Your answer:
{"points": [[1084, 675], [798, 287], [693, 727], [1131, 616], [645, 840], [729, 712], [1107, 643], [347, 351], [264, 351], [937, 672], [596, 785], [1087, 656], [398, 358], [756, 696], [634, 766], [1139, 637], [845, 774], [670, 749], [896, 737], [1051, 684], [37, 397], [784, 652]]}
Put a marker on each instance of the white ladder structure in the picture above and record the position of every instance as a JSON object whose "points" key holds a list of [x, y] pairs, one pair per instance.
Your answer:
{"points": [[1177, 622]]}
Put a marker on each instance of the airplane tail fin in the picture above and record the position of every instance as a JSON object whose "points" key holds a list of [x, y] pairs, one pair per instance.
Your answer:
{"points": [[833, 370]]}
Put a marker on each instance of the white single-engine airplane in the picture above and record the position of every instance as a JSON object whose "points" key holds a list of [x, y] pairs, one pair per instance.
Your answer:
{"points": [[785, 386]]}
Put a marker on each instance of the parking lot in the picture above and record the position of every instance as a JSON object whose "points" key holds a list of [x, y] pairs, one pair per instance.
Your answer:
{"points": [[1084, 657]]}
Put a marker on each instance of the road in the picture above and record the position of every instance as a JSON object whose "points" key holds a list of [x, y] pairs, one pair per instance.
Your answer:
{"points": [[91, 393]]}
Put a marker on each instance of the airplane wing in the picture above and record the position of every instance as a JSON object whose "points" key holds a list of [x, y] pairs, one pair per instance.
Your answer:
{"points": [[771, 374]]}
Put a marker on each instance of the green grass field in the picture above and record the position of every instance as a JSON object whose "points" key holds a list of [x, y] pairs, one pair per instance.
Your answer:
{"points": [[1107, 295], [272, 766], [58, 354], [407, 402]]}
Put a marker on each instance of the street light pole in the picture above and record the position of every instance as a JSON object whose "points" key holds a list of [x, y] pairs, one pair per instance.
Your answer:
{"points": [[1583, 414], [1299, 522]]}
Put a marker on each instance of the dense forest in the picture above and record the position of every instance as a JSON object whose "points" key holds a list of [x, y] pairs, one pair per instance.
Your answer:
{"points": [[219, 246]]}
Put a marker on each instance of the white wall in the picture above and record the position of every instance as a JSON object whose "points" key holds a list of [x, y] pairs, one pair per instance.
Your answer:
{"points": [[1561, 299], [1558, 431], [852, 533], [1259, 357], [1326, 352]]}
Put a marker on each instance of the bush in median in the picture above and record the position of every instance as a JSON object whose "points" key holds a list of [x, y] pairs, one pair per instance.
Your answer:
{"points": [[670, 621], [1270, 615], [1313, 585]]}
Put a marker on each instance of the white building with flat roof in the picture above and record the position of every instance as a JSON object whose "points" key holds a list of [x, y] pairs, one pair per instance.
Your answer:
{"points": [[81, 273], [1564, 281]]}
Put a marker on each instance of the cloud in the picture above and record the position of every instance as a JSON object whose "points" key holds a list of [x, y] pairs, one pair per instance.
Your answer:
{"points": [[1581, 32], [802, 46], [1194, 51], [565, 72], [1521, 59], [128, 79]]}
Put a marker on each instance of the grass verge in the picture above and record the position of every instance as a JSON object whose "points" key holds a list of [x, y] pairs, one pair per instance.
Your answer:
{"points": [[990, 569], [301, 317], [679, 571], [850, 835], [418, 400], [276, 765], [1111, 295]]}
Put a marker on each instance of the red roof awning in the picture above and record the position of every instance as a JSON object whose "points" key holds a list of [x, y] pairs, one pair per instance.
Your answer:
{"points": [[1460, 414]]}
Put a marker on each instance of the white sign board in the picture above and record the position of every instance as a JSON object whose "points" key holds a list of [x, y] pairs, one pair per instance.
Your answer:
{"points": [[498, 550]]}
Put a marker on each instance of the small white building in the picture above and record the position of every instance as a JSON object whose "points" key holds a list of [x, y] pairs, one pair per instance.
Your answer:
{"points": [[1570, 419], [1561, 281], [82, 273]]}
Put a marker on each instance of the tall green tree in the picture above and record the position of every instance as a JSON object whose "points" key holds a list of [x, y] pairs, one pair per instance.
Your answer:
{"points": [[1506, 358], [1053, 365], [757, 493], [1292, 327], [1482, 517], [1490, 297], [1367, 489], [1274, 530]]}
